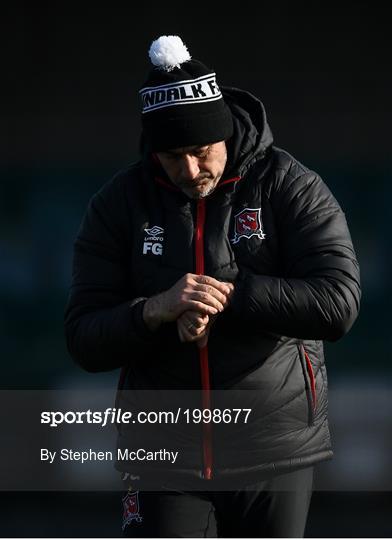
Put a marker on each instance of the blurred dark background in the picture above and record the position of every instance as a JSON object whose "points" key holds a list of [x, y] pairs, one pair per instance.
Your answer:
{"points": [[70, 120]]}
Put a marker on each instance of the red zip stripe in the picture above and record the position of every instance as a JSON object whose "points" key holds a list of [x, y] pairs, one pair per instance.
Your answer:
{"points": [[199, 244], [206, 404], [203, 352], [311, 376], [235, 179]]}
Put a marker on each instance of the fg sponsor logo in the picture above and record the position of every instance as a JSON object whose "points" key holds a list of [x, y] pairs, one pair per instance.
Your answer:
{"points": [[247, 223], [153, 240]]}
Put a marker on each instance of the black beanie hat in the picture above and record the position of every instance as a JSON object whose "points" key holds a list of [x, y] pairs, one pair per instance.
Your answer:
{"points": [[182, 104]]}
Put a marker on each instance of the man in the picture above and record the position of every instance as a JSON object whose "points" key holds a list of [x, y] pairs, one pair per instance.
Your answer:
{"points": [[215, 266]]}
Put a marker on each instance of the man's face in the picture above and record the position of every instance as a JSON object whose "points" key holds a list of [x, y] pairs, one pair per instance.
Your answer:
{"points": [[195, 170]]}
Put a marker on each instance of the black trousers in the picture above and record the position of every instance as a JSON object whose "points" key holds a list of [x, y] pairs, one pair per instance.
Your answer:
{"points": [[277, 507]]}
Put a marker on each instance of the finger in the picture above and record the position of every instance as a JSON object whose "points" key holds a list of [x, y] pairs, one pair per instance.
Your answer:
{"points": [[200, 322], [195, 318], [199, 336], [180, 332], [203, 340], [221, 286], [184, 333], [207, 299], [188, 329], [188, 336], [195, 305], [191, 328], [231, 291], [209, 289]]}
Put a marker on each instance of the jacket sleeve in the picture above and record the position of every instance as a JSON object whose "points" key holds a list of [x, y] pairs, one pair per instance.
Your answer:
{"points": [[317, 293], [102, 320]]}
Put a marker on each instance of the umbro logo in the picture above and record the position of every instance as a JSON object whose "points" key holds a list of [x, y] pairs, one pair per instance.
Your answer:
{"points": [[154, 231], [153, 240]]}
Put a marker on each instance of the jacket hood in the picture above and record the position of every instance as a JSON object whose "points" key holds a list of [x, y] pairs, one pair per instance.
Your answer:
{"points": [[251, 140], [252, 136]]}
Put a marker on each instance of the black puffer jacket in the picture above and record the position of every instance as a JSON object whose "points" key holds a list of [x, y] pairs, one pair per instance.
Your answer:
{"points": [[275, 230]]}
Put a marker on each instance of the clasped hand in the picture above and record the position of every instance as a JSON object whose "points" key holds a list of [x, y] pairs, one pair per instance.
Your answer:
{"points": [[194, 302]]}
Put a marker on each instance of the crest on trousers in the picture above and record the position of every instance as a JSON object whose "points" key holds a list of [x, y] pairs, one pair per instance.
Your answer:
{"points": [[131, 508], [247, 223]]}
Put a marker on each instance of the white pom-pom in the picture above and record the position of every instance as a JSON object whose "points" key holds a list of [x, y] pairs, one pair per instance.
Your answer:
{"points": [[168, 52]]}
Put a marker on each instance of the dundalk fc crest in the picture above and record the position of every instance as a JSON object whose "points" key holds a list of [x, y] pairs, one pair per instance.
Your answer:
{"points": [[131, 508], [247, 223]]}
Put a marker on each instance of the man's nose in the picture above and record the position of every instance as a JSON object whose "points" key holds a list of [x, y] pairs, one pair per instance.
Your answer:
{"points": [[189, 167]]}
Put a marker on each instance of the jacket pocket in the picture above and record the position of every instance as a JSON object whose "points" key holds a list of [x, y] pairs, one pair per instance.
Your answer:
{"points": [[310, 382]]}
